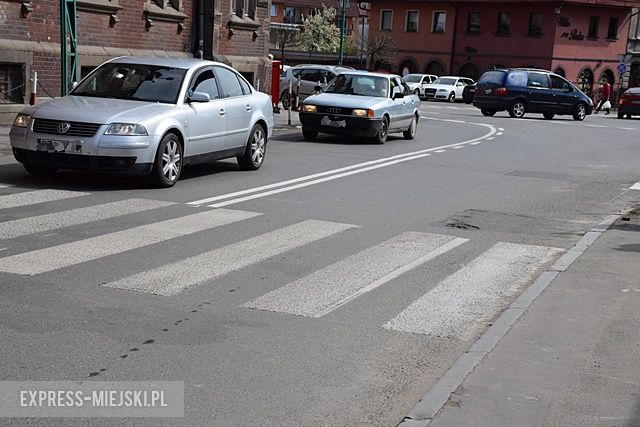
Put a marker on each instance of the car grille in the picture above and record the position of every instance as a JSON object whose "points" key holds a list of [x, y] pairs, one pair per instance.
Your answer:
{"points": [[429, 92], [76, 128], [75, 161], [334, 110]]}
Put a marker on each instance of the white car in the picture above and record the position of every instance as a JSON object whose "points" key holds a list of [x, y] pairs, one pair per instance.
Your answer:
{"points": [[447, 88], [417, 82]]}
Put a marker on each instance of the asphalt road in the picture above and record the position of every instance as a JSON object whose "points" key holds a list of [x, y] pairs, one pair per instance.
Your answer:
{"points": [[332, 287]]}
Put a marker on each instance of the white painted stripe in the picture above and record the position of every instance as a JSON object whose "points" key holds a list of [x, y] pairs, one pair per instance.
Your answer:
{"points": [[440, 151], [475, 293], [635, 186], [174, 278], [596, 126], [490, 139], [501, 129], [325, 290], [476, 143], [68, 254], [337, 173], [34, 197], [499, 133], [53, 221], [626, 128], [457, 148]]}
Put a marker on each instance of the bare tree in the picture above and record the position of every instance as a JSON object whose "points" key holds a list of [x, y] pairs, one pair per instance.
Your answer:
{"points": [[381, 48], [284, 36]]}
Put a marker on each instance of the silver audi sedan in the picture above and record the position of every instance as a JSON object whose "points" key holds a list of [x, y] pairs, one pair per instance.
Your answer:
{"points": [[147, 116]]}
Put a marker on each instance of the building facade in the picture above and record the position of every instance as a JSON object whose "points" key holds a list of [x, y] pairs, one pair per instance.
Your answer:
{"points": [[582, 40], [235, 31]]}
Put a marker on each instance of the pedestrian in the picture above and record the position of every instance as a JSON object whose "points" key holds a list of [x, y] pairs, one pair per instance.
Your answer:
{"points": [[605, 93]]}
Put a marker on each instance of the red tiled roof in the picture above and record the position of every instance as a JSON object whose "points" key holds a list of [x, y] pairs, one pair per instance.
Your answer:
{"points": [[351, 12]]}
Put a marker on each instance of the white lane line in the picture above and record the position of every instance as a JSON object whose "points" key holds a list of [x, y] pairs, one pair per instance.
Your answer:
{"points": [[626, 128], [453, 121], [325, 290], [34, 197], [293, 184], [65, 255], [475, 293], [52, 221], [457, 148], [501, 129], [595, 126], [476, 143], [635, 186], [174, 278], [3, 249], [499, 133], [440, 151], [490, 139]]}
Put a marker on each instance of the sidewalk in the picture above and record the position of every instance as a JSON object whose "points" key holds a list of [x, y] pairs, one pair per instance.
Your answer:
{"points": [[5, 147], [281, 120], [573, 357]]}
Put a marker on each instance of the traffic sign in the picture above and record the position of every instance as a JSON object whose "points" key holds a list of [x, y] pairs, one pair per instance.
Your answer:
{"points": [[622, 67]]}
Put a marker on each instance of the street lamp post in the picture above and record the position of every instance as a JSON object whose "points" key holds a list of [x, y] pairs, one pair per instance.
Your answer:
{"points": [[343, 23]]}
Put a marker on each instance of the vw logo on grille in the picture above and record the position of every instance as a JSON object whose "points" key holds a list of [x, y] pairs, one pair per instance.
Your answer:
{"points": [[333, 110], [63, 127]]}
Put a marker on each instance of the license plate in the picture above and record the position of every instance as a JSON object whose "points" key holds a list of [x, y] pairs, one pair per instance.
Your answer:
{"points": [[637, 101], [58, 146], [326, 121]]}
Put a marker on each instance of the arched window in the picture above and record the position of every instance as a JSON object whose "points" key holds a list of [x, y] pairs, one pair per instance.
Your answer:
{"points": [[469, 70], [434, 67], [608, 76], [408, 67], [585, 81], [560, 71]]}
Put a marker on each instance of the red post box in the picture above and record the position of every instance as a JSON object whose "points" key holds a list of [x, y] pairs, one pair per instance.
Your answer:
{"points": [[276, 68]]}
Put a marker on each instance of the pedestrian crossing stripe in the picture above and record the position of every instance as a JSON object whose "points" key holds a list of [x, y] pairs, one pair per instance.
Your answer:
{"points": [[327, 289], [466, 299], [57, 220], [176, 277], [34, 197], [65, 255]]}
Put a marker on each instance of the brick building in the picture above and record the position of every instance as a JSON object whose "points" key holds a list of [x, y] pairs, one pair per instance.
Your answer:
{"points": [[581, 39], [232, 30]]}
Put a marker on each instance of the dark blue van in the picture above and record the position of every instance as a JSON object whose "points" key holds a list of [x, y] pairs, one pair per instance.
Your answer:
{"points": [[523, 90]]}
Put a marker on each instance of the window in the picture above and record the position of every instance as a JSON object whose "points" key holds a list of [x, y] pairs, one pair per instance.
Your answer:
{"points": [[538, 80], [386, 20], [559, 83], [274, 10], [244, 8], [11, 83], [439, 19], [473, 23], [229, 81], [246, 89], [504, 24], [612, 32], [205, 82], [412, 21], [292, 15], [535, 24], [173, 4], [593, 27], [311, 75]]}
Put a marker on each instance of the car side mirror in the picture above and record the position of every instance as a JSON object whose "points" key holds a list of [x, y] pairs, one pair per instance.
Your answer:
{"points": [[317, 88], [198, 97], [398, 95]]}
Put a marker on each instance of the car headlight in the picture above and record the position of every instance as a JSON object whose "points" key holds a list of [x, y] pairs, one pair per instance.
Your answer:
{"points": [[127, 129], [21, 120], [363, 113], [307, 108]]}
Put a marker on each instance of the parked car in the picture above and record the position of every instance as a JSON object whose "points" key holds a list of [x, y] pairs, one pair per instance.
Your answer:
{"points": [[468, 92], [446, 88], [362, 104], [629, 104], [309, 76], [522, 90], [417, 82], [137, 115]]}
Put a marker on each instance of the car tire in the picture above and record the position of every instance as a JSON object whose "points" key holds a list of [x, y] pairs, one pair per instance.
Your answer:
{"points": [[284, 99], [452, 97], [411, 132], [167, 166], [383, 132], [255, 150], [40, 170], [487, 113], [309, 135], [548, 116], [580, 112], [518, 109], [620, 116]]}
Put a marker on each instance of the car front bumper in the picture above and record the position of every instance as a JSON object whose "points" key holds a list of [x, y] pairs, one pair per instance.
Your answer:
{"points": [[359, 127]]}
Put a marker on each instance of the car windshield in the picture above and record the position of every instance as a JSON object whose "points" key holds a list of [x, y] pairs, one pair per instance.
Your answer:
{"points": [[412, 78], [444, 81], [363, 85], [492, 78], [136, 82]]}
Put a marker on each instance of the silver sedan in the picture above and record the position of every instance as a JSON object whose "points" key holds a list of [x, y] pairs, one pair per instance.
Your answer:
{"points": [[147, 116]]}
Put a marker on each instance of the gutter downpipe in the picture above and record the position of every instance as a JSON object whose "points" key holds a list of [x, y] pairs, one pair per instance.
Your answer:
{"points": [[200, 52]]}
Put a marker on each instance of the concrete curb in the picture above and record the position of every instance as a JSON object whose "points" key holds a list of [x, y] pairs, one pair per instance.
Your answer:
{"points": [[435, 398]]}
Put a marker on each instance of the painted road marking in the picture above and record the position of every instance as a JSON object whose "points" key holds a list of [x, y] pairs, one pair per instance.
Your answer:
{"points": [[635, 186], [457, 148], [34, 197], [305, 181], [325, 290], [52, 221], [499, 133], [626, 128], [475, 293], [476, 143], [490, 139], [174, 278], [440, 151], [596, 126], [56, 257]]}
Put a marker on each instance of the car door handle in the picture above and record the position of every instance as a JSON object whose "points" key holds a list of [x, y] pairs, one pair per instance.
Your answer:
{"points": [[222, 111], [248, 107]]}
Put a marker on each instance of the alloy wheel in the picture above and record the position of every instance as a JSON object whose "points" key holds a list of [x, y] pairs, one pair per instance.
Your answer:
{"points": [[171, 160]]}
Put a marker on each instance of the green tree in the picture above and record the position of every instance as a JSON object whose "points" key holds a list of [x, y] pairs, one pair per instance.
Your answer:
{"points": [[320, 31]]}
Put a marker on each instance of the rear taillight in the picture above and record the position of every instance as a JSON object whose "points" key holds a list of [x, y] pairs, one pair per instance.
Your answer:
{"points": [[502, 91], [622, 101]]}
